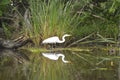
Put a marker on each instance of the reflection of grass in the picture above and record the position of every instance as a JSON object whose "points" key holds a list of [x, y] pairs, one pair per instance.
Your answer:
{"points": [[36, 50], [88, 49], [45, 69], [83, 66]]}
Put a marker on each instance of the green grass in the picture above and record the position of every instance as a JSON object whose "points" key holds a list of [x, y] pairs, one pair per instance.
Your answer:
{"points": [[51, 18], [57, 17]]}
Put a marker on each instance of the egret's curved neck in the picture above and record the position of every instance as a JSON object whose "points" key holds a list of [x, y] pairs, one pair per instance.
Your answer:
{"points": [[63, 39], [63, 58]]}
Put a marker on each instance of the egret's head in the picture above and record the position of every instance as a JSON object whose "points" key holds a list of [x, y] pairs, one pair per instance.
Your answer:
{"points": [[67, 35]]}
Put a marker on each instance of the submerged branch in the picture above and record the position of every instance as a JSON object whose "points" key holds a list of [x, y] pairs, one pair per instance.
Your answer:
{"points": [[103, 39], [80, 40]]}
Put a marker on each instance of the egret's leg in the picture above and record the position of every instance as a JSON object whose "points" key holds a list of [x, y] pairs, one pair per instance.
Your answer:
{"points": [[54, 45], [49, 47]]}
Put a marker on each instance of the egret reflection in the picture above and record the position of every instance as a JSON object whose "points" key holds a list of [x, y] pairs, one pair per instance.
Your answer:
{"points": [[55, 56]]}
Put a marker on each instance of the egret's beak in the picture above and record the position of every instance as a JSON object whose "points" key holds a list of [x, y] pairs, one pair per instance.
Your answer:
{"points": [[69, 62]]}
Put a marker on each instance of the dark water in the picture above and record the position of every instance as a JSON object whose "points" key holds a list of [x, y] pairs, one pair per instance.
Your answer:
{"points": [[84, 65]]}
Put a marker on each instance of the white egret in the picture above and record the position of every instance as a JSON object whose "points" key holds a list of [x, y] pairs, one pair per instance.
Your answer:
{"points": [[55, 39], [54, 56]]}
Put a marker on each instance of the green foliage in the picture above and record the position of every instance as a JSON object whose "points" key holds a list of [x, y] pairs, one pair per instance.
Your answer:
{"points": [[6, 31], [77, 17], [3, 6], [52, 18], [4, 2], [103, 18], [0, 13]]}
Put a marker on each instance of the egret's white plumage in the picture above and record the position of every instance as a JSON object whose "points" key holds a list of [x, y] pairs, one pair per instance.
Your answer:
{"points": [[55, 39], [54, 56]]}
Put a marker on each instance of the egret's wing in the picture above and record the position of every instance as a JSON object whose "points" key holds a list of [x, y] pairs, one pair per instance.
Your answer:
{"points": [[51, 40], [51, 56]]}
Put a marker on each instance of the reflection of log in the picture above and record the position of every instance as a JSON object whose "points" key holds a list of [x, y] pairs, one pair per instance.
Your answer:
{"points": [[14, 54], [13, 62], [14, 44]]}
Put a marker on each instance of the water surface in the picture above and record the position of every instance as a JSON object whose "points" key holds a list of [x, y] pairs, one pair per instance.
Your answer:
{"points": [[82, 65]]}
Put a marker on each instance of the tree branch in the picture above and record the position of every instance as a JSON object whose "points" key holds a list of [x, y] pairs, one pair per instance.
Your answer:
{"points": [[80, 40]]}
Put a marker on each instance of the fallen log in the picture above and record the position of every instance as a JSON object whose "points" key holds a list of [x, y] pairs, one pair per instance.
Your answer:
{"points": [[14, 44]]}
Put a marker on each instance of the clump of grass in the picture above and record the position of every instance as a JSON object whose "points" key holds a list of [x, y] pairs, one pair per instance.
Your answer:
{"points": [[7, 31], [52, 18]]}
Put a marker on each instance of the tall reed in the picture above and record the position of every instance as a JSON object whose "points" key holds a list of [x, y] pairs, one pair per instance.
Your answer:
{"points": [[52, 18]]}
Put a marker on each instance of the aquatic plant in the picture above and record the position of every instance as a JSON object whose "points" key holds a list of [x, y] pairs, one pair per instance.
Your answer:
{"points": [[52, 18], [102, 17], [46, 18]]}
